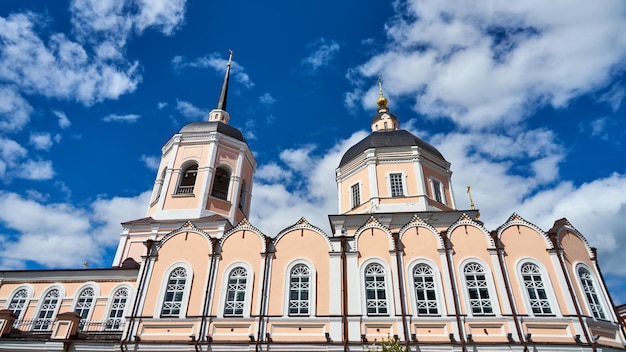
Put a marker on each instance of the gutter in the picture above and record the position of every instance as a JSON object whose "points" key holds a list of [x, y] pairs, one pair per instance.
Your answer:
{"points": [[207, 293], [455, 295], [344, 294], [396, 239]]}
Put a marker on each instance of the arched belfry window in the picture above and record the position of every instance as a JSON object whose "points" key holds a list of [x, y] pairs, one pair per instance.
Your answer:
{"points": [[299, 290], [174, 293], [591, 293], [221, 182], [425, 290], [187, 179], [236, 292], [536, 289], [18, 302], [116, 313], [477, 289], [47, 310], [375, 290], [84, 304], [243, 194]]}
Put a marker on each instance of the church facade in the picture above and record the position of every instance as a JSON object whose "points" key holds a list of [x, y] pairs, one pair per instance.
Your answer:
{"points": [[402, 262]]}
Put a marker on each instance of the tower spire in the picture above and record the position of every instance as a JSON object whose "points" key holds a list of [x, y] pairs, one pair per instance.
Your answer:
{"points": [[219, 113], [221, 103], [382, 101]]}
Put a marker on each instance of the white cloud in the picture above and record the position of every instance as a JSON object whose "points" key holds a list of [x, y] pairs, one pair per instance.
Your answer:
{"points": [[189, 111], [488, 63], [322, 52], [216, 62], [128, 118], [272, 173], [41, 140], [58, 67], [11, 151], [151, 162], [161, 105], [64, 122], [14, 110], [36, 170], [267, 100], [90, 230]]}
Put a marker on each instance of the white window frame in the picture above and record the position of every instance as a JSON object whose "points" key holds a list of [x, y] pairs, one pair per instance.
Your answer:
{"points": [[224, 290], [441, 307], [29, 297], [402, 183], [388, 287], [433, 182], [109, 307], [162, 290], [547, 283], [40, 304], [94, 298], [491, 289], [181, 175], [598, 292], [312, 288], [360, 186]]}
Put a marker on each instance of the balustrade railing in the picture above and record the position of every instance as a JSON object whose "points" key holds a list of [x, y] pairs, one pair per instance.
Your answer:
{"points": [[184, 190]]}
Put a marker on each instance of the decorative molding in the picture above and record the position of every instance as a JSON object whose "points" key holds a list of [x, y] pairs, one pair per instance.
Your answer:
{"points": [[516, 220], [373, 223], [465, 220], [417, 222], [244, 225], [305, 225]]}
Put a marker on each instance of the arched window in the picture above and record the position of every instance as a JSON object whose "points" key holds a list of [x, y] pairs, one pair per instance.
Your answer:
{"points": [[221, 182], [159, 186], [236, 292], [375, 290], [425, 291], [477, 289], [48, 309], [118, 306], [84, 305], [243, 194], [18, 302], [591, 293], [187, 180], [174, 293], [536, 289], [299, 290]]}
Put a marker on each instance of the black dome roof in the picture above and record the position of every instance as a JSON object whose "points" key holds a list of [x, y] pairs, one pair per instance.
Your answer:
{"points": [[379, 114], [382, 139], [213, 126]]}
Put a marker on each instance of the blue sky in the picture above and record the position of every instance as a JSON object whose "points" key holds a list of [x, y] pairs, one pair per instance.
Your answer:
{"points": [[526, 100]]}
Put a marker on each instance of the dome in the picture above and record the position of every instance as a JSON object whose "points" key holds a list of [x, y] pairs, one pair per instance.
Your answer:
{"points": [[385, 139], [212, 126]]}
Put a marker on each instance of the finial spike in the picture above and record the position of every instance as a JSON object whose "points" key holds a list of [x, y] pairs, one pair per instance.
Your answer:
{"points": [[221, 103], [469, 192], [230, 57], [382, 101]]}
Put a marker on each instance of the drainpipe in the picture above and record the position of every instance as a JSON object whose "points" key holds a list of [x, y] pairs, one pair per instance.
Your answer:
{"points": [[149, 243], [344, 293], [207, 293], [455, 295], [507, 286], [571, 292], [264, 288], [396, 239]]}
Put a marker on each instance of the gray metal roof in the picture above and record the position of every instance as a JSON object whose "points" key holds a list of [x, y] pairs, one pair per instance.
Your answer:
{"points": [[382, 139], [212, 126]]}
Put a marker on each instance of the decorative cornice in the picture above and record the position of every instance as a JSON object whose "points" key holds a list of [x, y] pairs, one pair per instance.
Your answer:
{"points": [[465, 220], [416, 222], [373, 223], [303, 224], [188, 226], [516, 220], [244, 225]]}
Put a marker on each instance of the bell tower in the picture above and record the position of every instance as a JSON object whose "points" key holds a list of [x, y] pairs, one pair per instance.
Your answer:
{"points": [[206, 169], [391, 170]]}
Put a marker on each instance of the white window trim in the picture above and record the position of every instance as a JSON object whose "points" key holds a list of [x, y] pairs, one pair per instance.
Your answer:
{"points": [[352, 205], [129, 302], [441, 305], [181, 175], [554, 304], [96, 295], [608, 316], [312, 287], [403, 179], [42, 298], [164, 280], [29, 289], [391, 309], [441, 189], [224, 289], [495, 302]]}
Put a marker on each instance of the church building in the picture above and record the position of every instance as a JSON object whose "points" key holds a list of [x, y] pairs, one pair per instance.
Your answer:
{"points": [[402, 263]]}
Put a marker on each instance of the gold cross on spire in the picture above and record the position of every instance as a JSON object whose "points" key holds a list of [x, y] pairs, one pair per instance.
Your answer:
{"points": [[382, 101]]}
